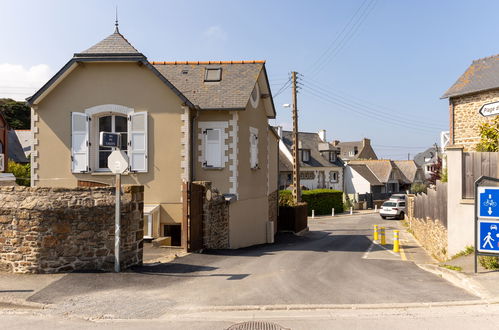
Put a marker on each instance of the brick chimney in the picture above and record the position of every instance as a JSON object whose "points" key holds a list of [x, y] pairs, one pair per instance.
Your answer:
{"points": [[335, 143], [366, 142]]}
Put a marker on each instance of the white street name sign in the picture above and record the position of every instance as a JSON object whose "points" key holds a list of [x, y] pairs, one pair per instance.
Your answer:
{"points": [[490, 109]]}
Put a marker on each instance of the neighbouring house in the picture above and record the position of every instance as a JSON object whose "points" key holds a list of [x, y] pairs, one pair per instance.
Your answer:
{"points": [[380, 177], [180, 122], [4, 128], [428, 161], [320, 166], [355, 150], [16, 150], [411, 173], [473, 100], [6, 179], [24, 136]]}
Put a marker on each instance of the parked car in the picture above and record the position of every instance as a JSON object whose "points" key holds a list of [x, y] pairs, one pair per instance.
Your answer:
{"points": [[398, 197], [393, 208]]}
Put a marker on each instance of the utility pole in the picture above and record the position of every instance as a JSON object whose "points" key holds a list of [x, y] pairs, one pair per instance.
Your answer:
{"points": [[296, 164]]}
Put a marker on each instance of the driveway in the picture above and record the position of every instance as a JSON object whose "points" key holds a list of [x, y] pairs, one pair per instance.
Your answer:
{"points": [[329, 265]]}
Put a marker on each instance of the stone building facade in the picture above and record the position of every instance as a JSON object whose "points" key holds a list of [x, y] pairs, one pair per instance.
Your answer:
{"points": [[465, 118], [52, 230]]}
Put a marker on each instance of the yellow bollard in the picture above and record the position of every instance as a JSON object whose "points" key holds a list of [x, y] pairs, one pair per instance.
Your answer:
{"points": [[376, 236], [396, 244], [383, 237]]}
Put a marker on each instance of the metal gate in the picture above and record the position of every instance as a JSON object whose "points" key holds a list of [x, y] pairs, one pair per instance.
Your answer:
{"points": [[192, 224]]}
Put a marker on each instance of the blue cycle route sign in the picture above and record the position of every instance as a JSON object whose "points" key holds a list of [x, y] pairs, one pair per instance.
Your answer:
{"points": [[488, 236], [488, 202]]}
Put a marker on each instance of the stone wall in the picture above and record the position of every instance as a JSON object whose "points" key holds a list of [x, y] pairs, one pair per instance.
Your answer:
{"points": [[215, 218], [467, 119], [430, 233], [50, 230]]}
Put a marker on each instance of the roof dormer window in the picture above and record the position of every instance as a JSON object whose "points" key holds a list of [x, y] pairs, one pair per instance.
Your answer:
{"points": [[305, 155], [213, 74]]}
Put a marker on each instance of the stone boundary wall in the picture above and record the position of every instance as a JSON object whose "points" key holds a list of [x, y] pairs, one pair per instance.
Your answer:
{"points": [[51, 230], [215, 218], [432, 234]]}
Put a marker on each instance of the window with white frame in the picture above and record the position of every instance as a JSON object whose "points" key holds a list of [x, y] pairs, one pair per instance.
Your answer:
{"points": [[213, 147], [212, 144], [86, 154], [253, 148], [333, 176], [305, 155]]}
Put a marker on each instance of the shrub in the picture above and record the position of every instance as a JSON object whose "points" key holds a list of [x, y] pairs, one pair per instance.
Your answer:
{"points": [[323, 200], [418, 188], [488, 262], [22, 172], [285, 198]]}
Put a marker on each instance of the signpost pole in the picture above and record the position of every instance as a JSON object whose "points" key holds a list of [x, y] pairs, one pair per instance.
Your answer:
{"points": [[117, 232], [476, 225]]}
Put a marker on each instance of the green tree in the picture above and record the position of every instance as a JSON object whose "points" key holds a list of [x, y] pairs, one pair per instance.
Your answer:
{"points": [[489, 133], [17, 114]]}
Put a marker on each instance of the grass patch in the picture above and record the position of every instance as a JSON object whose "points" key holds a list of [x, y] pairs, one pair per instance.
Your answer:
{"points": [[467, 251], [456, 268]]}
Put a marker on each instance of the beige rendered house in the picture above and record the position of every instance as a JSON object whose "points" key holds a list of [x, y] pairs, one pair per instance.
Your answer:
{"points": [[179, 121]]}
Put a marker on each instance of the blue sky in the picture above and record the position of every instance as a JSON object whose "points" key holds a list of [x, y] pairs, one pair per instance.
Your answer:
{"points": [[371, 68]]}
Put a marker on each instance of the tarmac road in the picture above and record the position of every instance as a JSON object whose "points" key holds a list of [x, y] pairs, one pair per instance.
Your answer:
{"points": [[329, 265]]}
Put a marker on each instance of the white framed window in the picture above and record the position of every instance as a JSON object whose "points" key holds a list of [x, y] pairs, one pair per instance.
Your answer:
{"points": [[332, 156], [333, 176], [213, 147], [86, 154], [212, 144], [253, 148], [305, 155]]}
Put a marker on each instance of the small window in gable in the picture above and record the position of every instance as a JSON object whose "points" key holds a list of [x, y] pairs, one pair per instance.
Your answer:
{"points": [[213, 151], [255, 96], [213, 74]]}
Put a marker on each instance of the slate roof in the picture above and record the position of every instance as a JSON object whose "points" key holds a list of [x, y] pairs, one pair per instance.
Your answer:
{"points": [[232, 92], [115, 44], [380, 168], [310, 141], [408, 168], [428, 153], [285, 165], [482, 74], [366, 173], [15, 149], [25, 137], [364, 151]]}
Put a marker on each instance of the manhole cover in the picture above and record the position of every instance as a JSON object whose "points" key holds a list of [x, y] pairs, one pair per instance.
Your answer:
{"points": [[256, 325]]}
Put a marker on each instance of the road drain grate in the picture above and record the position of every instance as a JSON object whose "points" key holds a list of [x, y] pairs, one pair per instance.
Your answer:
{"points": [[256, 325]]}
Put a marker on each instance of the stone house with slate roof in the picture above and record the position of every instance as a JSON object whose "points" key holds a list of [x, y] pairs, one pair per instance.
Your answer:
{"points": [[475, 91], [320, 166], [355, 149], [382, 176], [179, 122]]}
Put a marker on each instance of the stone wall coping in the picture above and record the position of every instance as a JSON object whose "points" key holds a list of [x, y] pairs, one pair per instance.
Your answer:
{"points": [[454, 147], [127, 189]]}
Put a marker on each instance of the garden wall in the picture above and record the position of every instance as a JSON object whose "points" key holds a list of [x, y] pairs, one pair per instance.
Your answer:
{"points": [[50, 230]]}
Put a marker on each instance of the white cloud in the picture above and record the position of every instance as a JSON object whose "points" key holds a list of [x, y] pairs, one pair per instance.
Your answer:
{"points": [[215, 33], [18, 82]]}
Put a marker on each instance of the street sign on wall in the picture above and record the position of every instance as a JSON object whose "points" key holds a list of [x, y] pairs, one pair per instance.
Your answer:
{"points": [[488, 201], [109, 139], [488, 236], [489, 109]]}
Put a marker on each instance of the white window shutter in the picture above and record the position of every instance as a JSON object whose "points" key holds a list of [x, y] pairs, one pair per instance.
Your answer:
{"points": [[79, 143], [213, 147], [253, 150], [137, 141]]}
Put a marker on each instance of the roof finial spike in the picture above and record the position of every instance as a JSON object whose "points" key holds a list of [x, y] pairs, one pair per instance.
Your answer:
{"points": [[116, 29]]}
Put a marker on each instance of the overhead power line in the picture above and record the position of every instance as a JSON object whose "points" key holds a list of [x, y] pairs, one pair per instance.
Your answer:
{"points": [[393, 116]]}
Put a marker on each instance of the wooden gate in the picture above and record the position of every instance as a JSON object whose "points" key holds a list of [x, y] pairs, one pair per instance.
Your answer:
{"points": [[192, 224]]}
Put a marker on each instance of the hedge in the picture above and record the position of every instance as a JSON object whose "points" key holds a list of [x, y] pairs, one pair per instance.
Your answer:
{"points": [[320, 200]]}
